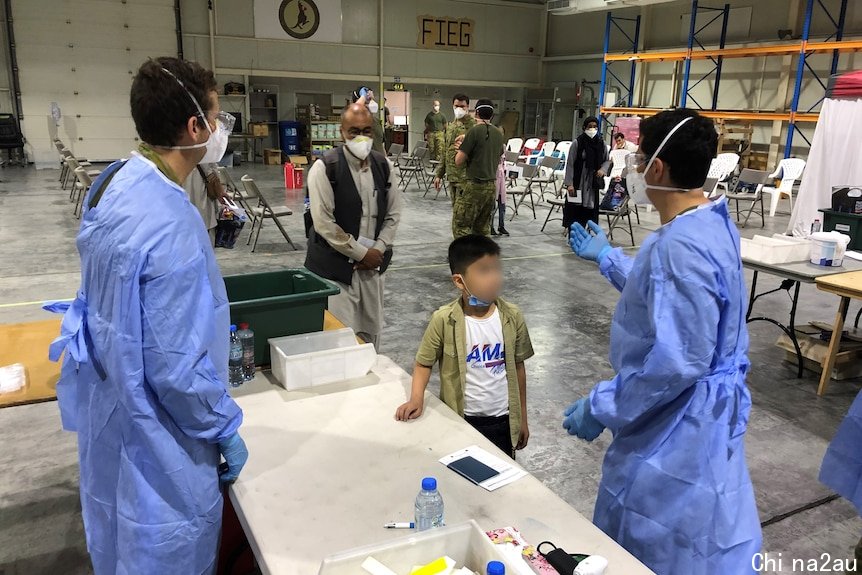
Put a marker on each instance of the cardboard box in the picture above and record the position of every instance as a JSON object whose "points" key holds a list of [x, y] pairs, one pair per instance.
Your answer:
{"points": [[272, 157], [848, 360], [258, 129], [298, 160]]}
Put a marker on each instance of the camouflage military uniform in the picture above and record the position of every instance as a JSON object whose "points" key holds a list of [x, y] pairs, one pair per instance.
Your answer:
{"points": [[474, 204], [437, 144], [448, 171]]}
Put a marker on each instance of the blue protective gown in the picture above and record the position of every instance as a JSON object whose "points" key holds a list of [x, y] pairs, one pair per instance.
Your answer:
{"points": [[842, 465], [152, 318], [675, 489]]}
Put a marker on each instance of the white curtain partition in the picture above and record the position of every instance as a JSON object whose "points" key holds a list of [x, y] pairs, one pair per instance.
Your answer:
{"points": [[835, 159]]}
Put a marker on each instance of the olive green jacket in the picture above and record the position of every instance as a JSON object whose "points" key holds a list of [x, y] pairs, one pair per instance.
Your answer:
{"points": [[447, 169], [445, 341]]}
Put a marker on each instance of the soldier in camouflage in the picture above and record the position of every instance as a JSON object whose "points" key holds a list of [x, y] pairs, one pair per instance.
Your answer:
{"points": [[447, 171], [479, 150]]}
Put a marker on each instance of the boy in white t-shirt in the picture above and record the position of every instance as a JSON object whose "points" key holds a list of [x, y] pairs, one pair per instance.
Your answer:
{"points": [[481, 343]]}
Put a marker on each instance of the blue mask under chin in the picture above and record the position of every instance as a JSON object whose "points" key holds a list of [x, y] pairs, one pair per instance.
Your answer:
{"points": [[473, 300], [476, 302]]}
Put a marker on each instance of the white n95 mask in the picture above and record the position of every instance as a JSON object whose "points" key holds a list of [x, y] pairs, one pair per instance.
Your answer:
{"points": [[373, 107], [459, 113], [591, 132], [360, 146], [216, 145], [636, 181]]}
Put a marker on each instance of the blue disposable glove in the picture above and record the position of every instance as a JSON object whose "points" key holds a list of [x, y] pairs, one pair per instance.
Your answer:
{"points": [[235, 455], [590, 246], [579, 420]]}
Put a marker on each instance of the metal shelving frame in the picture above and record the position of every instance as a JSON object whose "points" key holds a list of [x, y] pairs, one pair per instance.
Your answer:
{"points": [[697, 51]]}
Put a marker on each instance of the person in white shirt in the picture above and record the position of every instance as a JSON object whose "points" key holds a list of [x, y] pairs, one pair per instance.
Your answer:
{"points": [[620, 143]]}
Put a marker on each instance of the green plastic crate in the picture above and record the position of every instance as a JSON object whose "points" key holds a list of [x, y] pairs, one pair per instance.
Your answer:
{"points": [[279, 303], [848, 224]]}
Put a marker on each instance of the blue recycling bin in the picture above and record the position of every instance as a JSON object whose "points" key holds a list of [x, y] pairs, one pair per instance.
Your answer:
{"points": [[291, 137]]}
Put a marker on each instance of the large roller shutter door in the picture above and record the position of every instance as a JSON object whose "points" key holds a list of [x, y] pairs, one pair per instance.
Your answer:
{"points": [[82, 54]]}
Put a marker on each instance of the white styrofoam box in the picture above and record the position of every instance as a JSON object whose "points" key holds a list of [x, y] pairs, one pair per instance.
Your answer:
{"points": [[466, 543], [774, 250], [318, 358]]}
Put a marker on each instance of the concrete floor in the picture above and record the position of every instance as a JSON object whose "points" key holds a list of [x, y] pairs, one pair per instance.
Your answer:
{"points": [[40, 522]]}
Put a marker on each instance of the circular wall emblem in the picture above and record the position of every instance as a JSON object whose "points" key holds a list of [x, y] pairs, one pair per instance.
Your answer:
{"points": [[299, 18]]}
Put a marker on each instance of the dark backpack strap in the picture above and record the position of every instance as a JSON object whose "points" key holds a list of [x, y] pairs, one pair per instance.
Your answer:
{"points": [[103, 181]]}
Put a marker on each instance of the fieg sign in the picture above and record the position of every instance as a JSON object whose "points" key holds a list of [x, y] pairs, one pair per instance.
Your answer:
{"points": [[445, 33]]}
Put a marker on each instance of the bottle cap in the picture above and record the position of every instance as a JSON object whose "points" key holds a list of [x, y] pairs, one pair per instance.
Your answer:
{"points": [[496, 568], [429, 484], [233, 328], [243, 326]]}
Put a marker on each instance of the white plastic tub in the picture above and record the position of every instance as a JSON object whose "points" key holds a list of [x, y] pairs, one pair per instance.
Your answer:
{"points": [[310, 359], [828, 248], [775, 250], [465, 543]]}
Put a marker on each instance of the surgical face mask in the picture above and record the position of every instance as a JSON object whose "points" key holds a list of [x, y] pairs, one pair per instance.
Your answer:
{"points": [[636, 181], [591, 132], [459, 113], [473, 300], [373, 107], [360, 146], [436, 108]]}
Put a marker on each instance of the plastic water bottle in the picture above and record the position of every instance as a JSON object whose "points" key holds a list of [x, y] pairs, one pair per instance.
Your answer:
{"points": [[429, 506], [815, 227], [235, 363], [495, 568], [246, 338]]}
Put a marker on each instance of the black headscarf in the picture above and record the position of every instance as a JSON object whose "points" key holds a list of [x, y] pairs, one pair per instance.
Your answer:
{"points": [[592, 150]]}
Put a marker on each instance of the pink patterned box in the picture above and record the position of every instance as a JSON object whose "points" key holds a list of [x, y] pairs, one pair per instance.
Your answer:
{"points": [[512, 544]]}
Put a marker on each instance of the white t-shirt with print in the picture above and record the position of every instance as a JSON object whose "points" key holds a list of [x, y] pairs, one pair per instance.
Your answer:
{"points": [[487, 390]]}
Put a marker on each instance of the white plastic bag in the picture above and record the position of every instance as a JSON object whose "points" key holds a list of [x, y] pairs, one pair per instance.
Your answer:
{"points": [[12, 378]]}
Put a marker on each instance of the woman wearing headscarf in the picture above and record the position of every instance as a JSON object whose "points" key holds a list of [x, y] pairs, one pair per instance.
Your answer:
{"points": [[584, 174]]}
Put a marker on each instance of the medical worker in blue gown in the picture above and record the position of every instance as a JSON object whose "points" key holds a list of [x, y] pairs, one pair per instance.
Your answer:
{"points": [[144, 378], [842, 465], [675, 489]]}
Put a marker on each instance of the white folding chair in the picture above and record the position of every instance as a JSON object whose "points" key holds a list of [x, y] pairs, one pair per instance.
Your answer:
{"points": [[264, 211], [789, 170]]}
